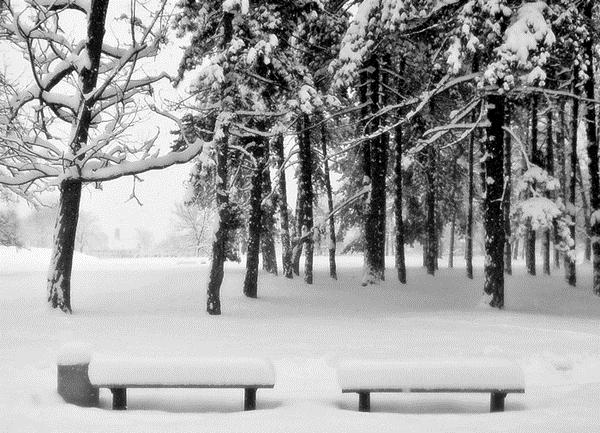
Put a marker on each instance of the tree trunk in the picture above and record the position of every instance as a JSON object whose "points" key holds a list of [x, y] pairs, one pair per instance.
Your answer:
{"points": [[550, 169], [515, 254], [254, 226], [493, 216], [59, 274], [570, 257], [297, 244], [430, 200], [286, 254], [267, 240], [332, 240], [59, 278], [592, 146], [471, 191], [587, 252], [531, 234], [507, 192], [305, 157], [219, 246], [561, 156], [400, 258], [374, 271], [451, 247]]}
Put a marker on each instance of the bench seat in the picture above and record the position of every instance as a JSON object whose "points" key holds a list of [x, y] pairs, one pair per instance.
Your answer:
{"points": [[491, 376], [118, 374]]}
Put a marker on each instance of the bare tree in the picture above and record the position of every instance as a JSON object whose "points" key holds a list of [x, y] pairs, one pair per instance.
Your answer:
{"points": [[81, 99], [193, 224]]}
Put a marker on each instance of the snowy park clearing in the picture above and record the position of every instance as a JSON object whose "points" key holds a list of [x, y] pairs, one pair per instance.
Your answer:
{"points": [[154, 308]]}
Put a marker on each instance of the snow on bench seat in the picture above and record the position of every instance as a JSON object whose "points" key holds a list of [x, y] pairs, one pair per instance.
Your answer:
{"points": [[497, 377], [422, 375], [181, 372]]}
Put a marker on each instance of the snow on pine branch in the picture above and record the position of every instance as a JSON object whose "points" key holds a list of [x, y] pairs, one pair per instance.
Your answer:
{"points": [[525, 47]]}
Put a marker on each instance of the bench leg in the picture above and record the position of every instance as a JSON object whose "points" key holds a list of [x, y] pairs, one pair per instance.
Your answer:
{"points": [[119, 398], [249, 398], [497, 402], [364, 402]]}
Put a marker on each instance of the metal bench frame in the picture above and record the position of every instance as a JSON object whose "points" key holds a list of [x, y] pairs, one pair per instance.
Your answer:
{"points": [[496, 399]]}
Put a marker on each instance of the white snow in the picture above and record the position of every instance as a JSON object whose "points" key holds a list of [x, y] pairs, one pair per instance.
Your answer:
{"points": [[468, 374], [181, 371], [155, 308], [75, 353]]}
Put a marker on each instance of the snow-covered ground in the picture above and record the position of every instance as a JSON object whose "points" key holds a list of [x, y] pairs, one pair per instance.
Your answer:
{"points": [[148, 307]]}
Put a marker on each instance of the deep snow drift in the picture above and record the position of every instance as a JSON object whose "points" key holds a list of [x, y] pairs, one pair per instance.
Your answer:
{"points": [[155, 307]]}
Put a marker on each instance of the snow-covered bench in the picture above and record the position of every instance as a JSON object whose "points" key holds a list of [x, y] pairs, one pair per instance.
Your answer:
{"points": [[496, 377], [79, 383]]}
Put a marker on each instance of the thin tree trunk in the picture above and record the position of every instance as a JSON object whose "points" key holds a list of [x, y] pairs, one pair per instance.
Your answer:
{"points": [[332, 240], [286, 254], [587, 254], [471, 192], [430, 200], [267, 241], [570, 257], [400, 257], [305, 157], [507, 192], [451, 247], [59, 274], [561, 155], [531, 234], [550, 169], [297, 244], [592, 146], [493, 216], [254, 229]]}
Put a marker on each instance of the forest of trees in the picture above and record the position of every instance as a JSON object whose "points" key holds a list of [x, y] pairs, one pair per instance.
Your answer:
{"points": [[404, 121]]}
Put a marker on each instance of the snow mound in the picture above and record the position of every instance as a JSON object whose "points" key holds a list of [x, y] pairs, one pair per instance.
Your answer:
{"points": [[181, 371], [13, 260], [465, 374], [75, 353]]}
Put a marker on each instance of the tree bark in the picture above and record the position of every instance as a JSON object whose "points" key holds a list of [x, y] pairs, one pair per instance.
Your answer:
{"points": [[267, 241], [550, 170], [587, 252], [305, 157], [297, 244], [451, 246], [286, 253], [471, 191], [592, 146], [254, 226], [507, 192], [531, 234], [570, 257], [493, 168], [561, 156], [219, 246], [332, 240], [374, 271], [430, 200], [59, 274], [399, 241]]}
